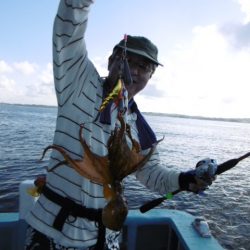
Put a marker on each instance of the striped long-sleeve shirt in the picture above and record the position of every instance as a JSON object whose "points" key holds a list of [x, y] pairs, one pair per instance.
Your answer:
{"points": [[79, 91]]}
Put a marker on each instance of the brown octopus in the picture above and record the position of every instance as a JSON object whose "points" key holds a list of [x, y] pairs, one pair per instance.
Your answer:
{"points": [[110, 170]]}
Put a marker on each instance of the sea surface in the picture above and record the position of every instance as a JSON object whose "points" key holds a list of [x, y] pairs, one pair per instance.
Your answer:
{"points": [[26, 130]]}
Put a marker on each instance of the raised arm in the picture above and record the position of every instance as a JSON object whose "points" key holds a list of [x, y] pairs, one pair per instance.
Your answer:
{"points": [[69, 50]]}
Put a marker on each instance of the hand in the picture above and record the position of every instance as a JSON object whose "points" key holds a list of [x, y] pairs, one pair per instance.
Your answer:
{"points": [[200, 184], [199, 179]]}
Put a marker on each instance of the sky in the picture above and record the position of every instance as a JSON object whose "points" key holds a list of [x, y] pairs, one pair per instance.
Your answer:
{"points": [[204, 46]]}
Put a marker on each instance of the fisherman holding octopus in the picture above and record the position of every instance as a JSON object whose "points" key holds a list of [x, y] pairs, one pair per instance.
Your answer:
{"points": [[69, 212]]}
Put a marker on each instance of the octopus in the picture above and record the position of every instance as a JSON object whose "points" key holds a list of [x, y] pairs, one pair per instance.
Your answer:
{"points": [[109, 170]]}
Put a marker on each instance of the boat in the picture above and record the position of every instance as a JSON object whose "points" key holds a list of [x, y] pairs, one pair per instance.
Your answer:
{"points": [[158, 229]]}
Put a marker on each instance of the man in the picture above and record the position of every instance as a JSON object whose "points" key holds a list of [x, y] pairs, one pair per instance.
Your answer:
{"points": [[80, 92]]}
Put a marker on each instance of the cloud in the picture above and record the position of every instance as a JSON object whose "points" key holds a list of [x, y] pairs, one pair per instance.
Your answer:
{"points": [[45, 84], [27, 87], [245, 8], [207, 78], [9, 89], [101, 65], [4, 67], [46, 76], [26, 67], [6, 84], [151, 90], [238, 34], [41, 90]]}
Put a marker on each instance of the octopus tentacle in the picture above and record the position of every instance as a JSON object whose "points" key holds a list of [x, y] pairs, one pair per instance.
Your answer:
{"points": [[81, 166]]}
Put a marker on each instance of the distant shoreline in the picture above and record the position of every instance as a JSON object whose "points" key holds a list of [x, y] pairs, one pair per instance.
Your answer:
{"points": [[29, 105], [241, 120]]}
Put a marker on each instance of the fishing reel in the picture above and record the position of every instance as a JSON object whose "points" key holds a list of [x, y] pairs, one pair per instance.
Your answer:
{"points": [[206, 169]]}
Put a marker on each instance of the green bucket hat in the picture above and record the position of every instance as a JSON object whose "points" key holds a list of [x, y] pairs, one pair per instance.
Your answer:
{"points": [[141, 46]]}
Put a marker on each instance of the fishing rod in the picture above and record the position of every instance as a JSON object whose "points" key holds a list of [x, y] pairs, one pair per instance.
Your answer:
{"points": [[221, 168]]}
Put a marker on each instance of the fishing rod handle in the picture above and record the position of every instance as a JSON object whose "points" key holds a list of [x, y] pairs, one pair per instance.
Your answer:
{"points": [[151, 204]]}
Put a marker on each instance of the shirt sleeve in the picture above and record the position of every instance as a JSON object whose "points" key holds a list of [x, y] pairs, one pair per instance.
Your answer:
{"points": [[157, 177], [70, 60]]}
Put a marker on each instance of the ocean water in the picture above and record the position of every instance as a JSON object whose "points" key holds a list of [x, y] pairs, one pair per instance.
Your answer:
{"points": [[26, 130]]}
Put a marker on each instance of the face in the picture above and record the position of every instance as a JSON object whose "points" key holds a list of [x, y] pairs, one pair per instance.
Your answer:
{"points": [[141, 70]]}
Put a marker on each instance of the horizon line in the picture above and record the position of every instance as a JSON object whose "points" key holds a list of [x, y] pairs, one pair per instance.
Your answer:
{"points": [[231, 119]]}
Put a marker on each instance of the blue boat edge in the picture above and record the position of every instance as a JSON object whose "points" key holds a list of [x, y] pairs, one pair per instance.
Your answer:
{"points": [[156, 229]]}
